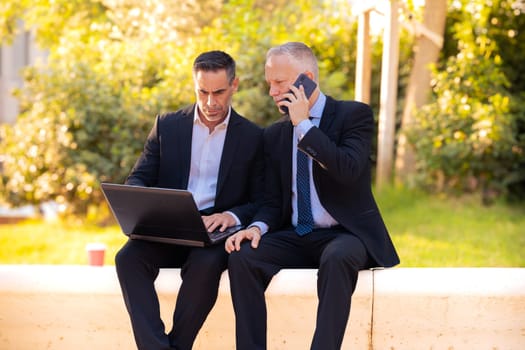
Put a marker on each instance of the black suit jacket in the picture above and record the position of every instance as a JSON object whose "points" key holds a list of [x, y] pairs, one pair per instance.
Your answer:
{"points": [[165, 161], [340, 148]]}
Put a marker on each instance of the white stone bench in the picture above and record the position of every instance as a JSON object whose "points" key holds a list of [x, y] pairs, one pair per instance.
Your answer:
{"points": [[80, 307]]}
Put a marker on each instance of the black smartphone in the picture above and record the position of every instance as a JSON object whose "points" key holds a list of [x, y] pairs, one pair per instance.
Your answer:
{"points": [[308, 84]]}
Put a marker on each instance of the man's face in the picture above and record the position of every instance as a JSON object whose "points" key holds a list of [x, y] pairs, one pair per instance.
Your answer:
{"points": [[214, 94], [280, 74]]}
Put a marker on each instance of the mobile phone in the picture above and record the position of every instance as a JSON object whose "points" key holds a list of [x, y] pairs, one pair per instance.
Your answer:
{"points": [[308, 84]]}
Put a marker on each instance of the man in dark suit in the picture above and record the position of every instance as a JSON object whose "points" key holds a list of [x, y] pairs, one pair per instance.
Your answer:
{"points": [[324, 217], [215, 153]]}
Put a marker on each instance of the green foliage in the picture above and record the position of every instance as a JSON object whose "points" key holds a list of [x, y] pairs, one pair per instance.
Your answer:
{"points": [[85, 114], [114, 65], [50, 19], [74, 133], [469, 138]]}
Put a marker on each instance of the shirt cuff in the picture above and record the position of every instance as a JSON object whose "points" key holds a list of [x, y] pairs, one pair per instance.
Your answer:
{"points": [[261, 225], [237, 221], [303, 127]]}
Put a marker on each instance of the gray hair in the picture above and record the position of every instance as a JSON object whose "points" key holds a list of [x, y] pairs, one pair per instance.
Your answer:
{"points": [[300, 54]]}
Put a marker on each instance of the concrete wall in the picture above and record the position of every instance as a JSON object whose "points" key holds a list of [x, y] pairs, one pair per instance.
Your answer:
{"points": [[80, 307]]}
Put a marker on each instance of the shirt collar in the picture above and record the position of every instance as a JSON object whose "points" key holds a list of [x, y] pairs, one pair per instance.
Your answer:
{"points": [[224, 124], [317, 109]]}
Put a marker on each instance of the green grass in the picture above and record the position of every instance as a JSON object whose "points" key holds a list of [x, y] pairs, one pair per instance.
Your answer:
{"points": [[39, 242], [434, 231], [428, 231]]}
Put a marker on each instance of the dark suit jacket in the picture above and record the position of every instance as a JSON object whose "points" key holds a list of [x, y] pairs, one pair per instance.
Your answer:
{"points": [[340, 148], [165, 161]]}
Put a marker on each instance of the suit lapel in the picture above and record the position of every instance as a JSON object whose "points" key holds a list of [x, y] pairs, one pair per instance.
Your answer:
{"points": [[231, 142], [328, 115], [325, 126], [285, 147]]}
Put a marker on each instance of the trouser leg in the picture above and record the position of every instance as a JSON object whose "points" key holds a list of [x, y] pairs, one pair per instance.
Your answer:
{"points": [[247, 285], [250, 271], [339, 266], [197, 295], [137, 265]]}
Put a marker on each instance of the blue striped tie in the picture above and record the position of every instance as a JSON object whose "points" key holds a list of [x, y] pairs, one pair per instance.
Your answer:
{"points": [[305, 221]]}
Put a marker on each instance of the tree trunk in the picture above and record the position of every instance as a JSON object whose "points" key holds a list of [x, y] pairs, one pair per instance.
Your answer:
{"points": [[418, 91], [388, 97]]}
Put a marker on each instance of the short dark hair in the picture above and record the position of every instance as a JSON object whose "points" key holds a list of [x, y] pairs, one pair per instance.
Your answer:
{"points": [[214, 61]]}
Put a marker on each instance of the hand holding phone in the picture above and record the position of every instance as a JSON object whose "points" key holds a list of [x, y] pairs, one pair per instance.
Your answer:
{"points": [[308, 85]]}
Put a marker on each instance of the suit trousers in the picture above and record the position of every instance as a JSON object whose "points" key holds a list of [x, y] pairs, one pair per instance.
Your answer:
{"points": [[336, 253], [138, 263]]}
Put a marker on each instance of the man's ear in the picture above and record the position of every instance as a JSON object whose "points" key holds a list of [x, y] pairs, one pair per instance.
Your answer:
{"points": [[310, 75], [235, 84]]}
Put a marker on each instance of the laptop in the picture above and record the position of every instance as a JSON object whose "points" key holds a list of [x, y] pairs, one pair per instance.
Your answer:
{"points": [[161, 215]]}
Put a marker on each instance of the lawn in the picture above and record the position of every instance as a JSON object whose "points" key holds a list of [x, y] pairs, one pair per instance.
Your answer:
{"points": [[428, 231], [40, 242], [432, 231]]}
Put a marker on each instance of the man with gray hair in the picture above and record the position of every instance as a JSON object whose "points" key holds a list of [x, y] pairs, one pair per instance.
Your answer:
{"points": [[318, 211]]}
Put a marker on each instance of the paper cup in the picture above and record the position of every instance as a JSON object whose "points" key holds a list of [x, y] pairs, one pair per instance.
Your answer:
{"points": [[96, 253]]}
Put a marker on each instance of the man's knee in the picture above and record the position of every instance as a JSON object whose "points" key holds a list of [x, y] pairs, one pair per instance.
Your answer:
{"points": [[205, 266], [121, 257], [234, 259], [352, 255], [127, 258], [243, 259]]}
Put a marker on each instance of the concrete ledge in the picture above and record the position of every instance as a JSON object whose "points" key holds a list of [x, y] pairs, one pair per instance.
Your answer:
{"points": [[449, 308], [65, 307]]}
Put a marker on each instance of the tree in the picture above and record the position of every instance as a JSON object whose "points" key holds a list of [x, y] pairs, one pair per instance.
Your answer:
{"points": [[427, 50], [469, 138]]}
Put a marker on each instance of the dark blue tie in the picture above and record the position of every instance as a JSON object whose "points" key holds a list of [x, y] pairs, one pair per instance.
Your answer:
{"points": [[305, 221]]}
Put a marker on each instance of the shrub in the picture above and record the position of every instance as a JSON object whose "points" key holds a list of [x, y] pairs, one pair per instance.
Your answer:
{"points": [[72, 134], [469, 137]]}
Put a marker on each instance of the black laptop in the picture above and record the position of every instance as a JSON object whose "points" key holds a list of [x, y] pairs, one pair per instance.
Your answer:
{"points": [[161, 215]]}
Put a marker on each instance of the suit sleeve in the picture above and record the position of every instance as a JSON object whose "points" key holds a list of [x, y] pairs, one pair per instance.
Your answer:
{"points": [[255, 184], [272, 212], [145, 171], [344, 150]]}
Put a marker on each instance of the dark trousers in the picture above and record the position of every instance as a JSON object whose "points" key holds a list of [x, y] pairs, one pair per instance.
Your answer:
{"points": [[337, 254], [138, 264]]}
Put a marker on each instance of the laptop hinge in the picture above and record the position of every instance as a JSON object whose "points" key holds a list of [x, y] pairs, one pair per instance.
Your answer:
{"points": [[167, 240]]}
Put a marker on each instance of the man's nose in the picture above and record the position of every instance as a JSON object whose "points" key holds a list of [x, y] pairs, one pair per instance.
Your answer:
{"points": [[211, 100], [274, 91]]}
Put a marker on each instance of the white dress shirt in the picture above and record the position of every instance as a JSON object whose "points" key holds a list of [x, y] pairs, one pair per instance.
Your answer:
{"points": [[206, 153]]}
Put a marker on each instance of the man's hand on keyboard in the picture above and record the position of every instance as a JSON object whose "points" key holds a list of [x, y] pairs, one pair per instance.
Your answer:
{"points": [[219, 220]]}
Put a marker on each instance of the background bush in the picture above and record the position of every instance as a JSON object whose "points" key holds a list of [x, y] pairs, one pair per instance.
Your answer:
{"points": [[73, 134], [472, 136], [113, 66]]}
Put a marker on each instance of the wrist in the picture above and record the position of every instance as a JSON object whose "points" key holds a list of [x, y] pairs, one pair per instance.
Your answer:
{"points": [[255, 229]]}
